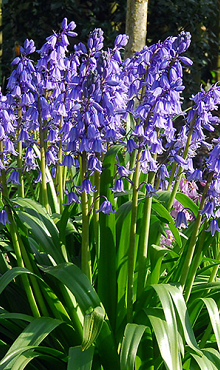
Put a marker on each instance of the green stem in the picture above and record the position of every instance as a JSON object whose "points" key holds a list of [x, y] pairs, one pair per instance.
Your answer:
{"points": [[144, 240], [60, 170], [86, 258], [96, 215], [19, 157], [193, 239], [179, 175], [195, 266], [43, 163], [131, 252], [15, 241]]}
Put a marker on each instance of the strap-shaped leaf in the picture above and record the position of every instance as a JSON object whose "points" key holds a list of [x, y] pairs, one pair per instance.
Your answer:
{"points": [[214, 317], [132, 336], [187, 202], [42, 227], [33, 335], [79, 359], [92, 326], [162, 211], [171, 321]]}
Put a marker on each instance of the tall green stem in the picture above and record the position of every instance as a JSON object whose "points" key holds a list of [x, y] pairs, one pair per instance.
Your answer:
{"points": [[144, 239], [43, 163], [60, 170], [131, 252], [96, 215], [179, 175], [193, 239], [86, 258], [19, 159], [16, 245], [192, 273]]}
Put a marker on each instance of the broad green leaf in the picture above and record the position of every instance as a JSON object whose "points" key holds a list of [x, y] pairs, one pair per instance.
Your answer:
{"points": [[213, 355], [204, 362], [42, 227], [77, 282], [92, 325], [160, 327], [170, 316], [214, 317], [79, 359], [157, 253], [54, 358], [132, 337], [162, 211], [187, 202], [10, 275], [33, 335], [87, 298], [183, 315]]}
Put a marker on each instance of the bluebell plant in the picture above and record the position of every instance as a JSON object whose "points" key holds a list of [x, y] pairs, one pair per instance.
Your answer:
{"points": [[64, 114]]}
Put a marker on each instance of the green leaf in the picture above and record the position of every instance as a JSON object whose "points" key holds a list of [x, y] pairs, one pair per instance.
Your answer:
{"points": [[160, 327], [162, 211], [187, 202], [33, 335], [92, 326], [10, 275], [41, 225], [79, 359], [173, 334], [184, 317], [132, 336], [87, 298], [214, 317], [77, 282]]}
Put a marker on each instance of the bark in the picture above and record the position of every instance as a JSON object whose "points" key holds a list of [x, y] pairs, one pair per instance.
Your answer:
{"points": [[136, 26]]}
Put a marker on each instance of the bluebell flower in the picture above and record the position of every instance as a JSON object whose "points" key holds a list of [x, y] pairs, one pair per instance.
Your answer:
{"points": [[106, 208], [150, 191], [14, 177], [213, 227], [72, 198], [87, 187], [118, 186], [208, 210], [67, 161], [181, 219], [4, 217], [131, 145]]}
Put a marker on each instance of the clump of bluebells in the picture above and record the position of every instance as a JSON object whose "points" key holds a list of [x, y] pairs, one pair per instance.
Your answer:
{"points": [[66, 111]]}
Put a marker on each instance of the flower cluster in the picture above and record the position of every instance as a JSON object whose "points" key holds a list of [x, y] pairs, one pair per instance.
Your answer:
{"points": [[72, 106]]}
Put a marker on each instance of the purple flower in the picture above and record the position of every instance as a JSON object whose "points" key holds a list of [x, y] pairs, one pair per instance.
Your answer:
{"points": [[67, 161], [4, 217], [72, 198], [131, 145], [106, 208], [118, 186], [14, 177], [213, 227], [150, 191], [87, 187], [208, 210], [181, 219]]}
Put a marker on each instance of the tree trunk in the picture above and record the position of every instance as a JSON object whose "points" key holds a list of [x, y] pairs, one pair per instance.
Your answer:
{"points": [[136, 26]]}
